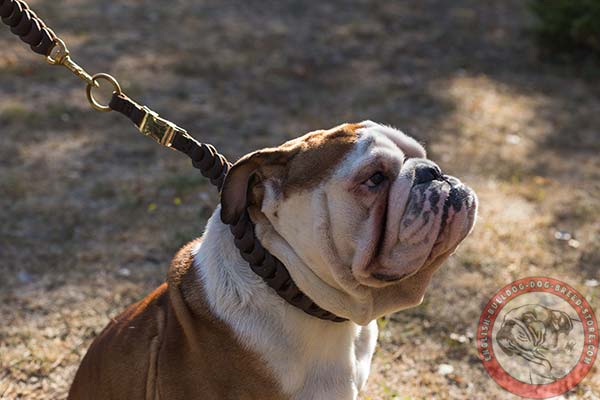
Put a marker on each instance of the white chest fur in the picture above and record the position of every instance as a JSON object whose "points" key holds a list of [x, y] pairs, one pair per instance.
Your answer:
{"points": [[310, 358]]}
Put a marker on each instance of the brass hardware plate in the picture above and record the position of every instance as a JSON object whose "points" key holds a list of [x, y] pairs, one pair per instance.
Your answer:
{"points": [[159, 129]]}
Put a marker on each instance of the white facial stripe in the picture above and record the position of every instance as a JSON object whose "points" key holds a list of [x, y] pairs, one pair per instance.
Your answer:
{"points": [[371, 147], [407, 144]]}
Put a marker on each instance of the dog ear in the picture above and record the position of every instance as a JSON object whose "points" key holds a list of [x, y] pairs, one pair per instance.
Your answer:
{"points": [[238, 182], [504, 338]]}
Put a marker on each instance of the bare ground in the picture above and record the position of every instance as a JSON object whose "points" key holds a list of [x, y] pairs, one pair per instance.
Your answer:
{"points": [[90, 212]]}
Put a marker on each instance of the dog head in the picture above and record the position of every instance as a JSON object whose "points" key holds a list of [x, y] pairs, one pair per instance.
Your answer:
{"points": [[357, 213], [531, 327]]}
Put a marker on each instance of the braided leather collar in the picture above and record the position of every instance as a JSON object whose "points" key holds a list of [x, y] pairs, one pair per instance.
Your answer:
{"points": [[215, 167]]}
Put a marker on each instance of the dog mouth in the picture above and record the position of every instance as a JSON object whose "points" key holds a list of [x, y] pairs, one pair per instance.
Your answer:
{"points": [[389, 278], [457, 205]]}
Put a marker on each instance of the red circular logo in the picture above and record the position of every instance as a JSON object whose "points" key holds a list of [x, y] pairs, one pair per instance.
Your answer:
{"points": [[537, 337]]}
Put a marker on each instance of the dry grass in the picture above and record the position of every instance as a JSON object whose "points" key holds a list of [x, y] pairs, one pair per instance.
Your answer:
{"points": [[90, 212]]}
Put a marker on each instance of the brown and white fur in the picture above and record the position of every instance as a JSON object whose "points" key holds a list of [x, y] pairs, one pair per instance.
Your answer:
{"points": [[359, 228]]}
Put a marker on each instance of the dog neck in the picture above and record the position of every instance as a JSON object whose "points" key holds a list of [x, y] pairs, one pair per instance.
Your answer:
{"points": [[310, 358]]}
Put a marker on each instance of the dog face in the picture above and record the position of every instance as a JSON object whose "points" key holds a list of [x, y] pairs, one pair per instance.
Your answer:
{"points": [[531, 327], [356, 212]]}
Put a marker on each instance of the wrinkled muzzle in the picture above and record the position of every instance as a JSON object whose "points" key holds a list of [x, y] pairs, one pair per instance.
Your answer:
{"points": [[427, 214]]}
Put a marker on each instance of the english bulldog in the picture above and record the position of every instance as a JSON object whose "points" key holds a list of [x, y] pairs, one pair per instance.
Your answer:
{"points": [[538, 335], [360, 218]]}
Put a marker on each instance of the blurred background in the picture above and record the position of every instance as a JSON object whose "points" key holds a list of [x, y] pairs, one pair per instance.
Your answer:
{"points": [[504, 94]]}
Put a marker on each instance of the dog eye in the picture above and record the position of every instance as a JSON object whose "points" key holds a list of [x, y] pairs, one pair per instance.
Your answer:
{"points": [[375, 180]]}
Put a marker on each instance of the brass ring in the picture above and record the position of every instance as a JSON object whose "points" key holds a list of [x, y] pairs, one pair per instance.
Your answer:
{"points": [[90, 96]]}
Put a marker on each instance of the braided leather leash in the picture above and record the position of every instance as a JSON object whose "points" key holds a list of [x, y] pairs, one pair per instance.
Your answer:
{"points": [[31, 29], [25, 23]]}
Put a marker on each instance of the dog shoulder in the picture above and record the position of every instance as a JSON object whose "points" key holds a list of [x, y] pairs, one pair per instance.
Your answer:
{"points": [[118, 361], [170, 344]]}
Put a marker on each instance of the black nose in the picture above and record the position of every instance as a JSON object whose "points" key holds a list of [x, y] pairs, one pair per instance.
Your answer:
{"points": [[426, 171]]}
